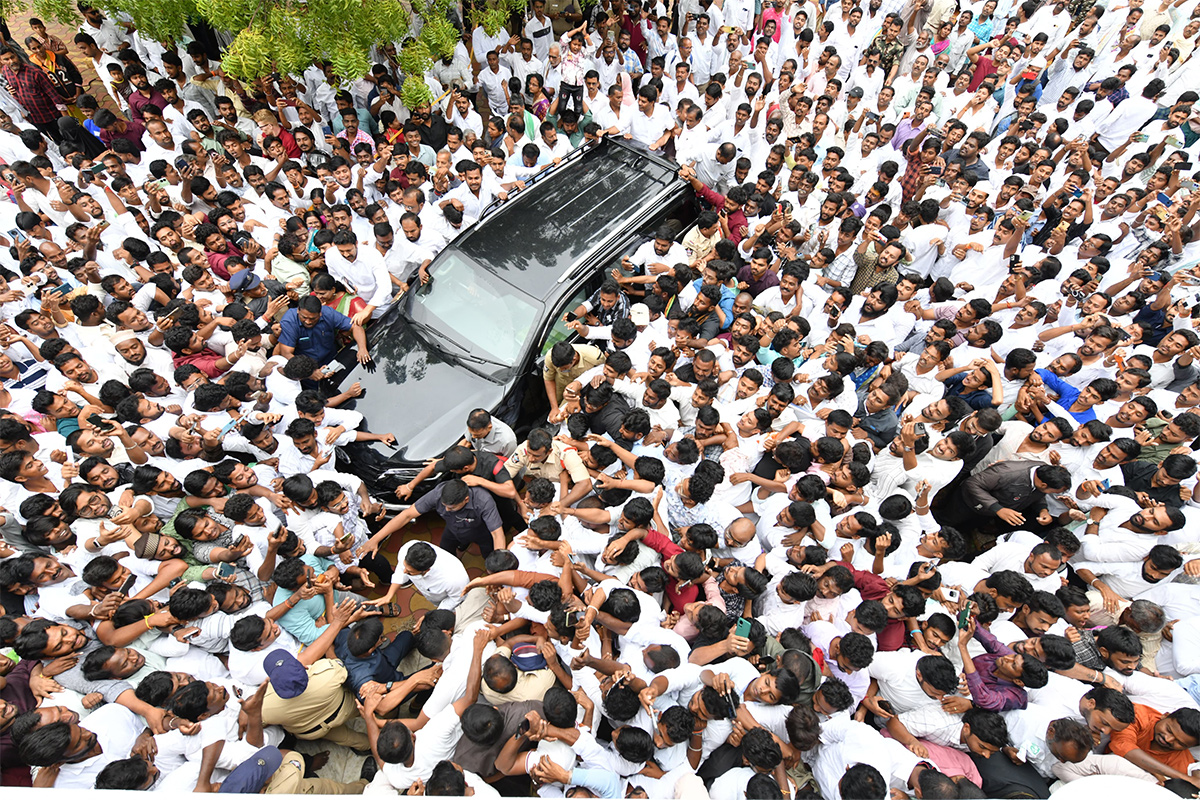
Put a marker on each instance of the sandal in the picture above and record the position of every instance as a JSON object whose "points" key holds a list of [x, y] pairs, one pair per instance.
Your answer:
{"points": [[390, 610]]}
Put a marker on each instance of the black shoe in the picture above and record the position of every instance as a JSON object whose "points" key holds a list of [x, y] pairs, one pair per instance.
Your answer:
{"points": [[369, 768]]}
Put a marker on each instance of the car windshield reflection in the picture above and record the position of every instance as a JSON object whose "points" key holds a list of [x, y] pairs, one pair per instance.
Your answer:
{"points": [[475, 310]]}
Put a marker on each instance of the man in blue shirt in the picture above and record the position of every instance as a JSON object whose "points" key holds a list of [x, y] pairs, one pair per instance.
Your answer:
{"points": [[718, 273], [311, 330], [368, 654]]}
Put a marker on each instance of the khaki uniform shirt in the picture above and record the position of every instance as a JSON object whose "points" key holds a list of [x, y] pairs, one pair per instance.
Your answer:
{"points": [[562, 458], [530, 685], [324, 696], [589, 357]]}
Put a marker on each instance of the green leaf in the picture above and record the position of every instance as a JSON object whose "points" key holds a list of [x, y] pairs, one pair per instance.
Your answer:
{"points": [[415, 92]]}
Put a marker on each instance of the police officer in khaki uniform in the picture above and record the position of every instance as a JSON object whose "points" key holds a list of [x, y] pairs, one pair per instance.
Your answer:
{"points": [[271, 771], [312, 703], [542, 456], [564, 363]]}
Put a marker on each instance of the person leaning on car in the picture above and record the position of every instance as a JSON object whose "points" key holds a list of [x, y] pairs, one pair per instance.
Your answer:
{"points": [[312, 329], [564, 363]]}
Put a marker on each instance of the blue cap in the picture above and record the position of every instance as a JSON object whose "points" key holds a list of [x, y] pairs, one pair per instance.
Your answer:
{"points": [[244, 279], [252, 775], [527, 658], [288, 676]]}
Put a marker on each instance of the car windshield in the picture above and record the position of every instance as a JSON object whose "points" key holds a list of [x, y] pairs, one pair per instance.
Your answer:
{"points": [[480, 313]]}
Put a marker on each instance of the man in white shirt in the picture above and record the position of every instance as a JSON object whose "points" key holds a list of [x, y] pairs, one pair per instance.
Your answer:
{"points": [[436, 573], [362, 268], [652, 125]]}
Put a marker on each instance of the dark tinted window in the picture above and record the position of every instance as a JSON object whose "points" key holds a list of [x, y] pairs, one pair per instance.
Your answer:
{"points": [[572, 212]]}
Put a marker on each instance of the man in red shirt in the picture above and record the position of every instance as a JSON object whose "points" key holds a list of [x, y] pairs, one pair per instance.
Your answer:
{"points": [[734, 225], [901, 601], [190, 347], [268, 125], [34, 91]]}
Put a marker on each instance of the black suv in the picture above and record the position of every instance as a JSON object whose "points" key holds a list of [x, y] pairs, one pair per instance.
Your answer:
{"points": [[476, 336]]}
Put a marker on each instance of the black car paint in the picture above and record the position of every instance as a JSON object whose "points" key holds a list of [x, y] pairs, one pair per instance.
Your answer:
{"points": [[422, 388]]}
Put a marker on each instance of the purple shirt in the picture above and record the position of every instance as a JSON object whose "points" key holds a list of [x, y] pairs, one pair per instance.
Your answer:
{"points": [[757, 287], [905, 131], [987, 690]]}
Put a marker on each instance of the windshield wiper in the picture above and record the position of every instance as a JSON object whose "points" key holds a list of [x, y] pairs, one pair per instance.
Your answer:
{"points": [[461, 353]]}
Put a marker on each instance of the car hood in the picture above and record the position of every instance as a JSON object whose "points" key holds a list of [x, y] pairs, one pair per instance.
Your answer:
{"points": [[418, 392]]}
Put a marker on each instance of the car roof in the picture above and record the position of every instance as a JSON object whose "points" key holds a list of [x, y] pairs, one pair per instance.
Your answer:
{"points": [[572, 210]]}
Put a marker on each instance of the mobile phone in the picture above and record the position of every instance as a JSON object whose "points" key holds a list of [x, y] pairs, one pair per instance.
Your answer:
{"points": [[100, 422], [97, 169], [1014, 262], [952, 595], [1162, 198], [1184, 166], [964, 618], [129, 582], [181, 163], [571, 316], [836, 312], [920, 430], [1106, 483], [226, 428], [935, 170], [743, 628], [886, 705], [174, 582], [1077, 193], [18, 235], [523, 728], [1025, 216], [191, 635], [225, 569]]}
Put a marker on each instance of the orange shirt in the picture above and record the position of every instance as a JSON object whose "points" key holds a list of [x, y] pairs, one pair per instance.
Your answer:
{"points": [[1140, 736]]}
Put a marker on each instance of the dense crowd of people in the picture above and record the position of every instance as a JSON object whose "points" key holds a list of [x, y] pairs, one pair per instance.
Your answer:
{"points": [[875, 480]]}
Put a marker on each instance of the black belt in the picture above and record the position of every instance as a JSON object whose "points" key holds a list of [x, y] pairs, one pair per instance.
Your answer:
{"points": [[328, 719]]}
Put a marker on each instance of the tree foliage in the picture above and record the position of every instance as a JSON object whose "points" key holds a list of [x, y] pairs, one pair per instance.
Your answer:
{"points": [[494, 14], [281, 35], [287, 36]]}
